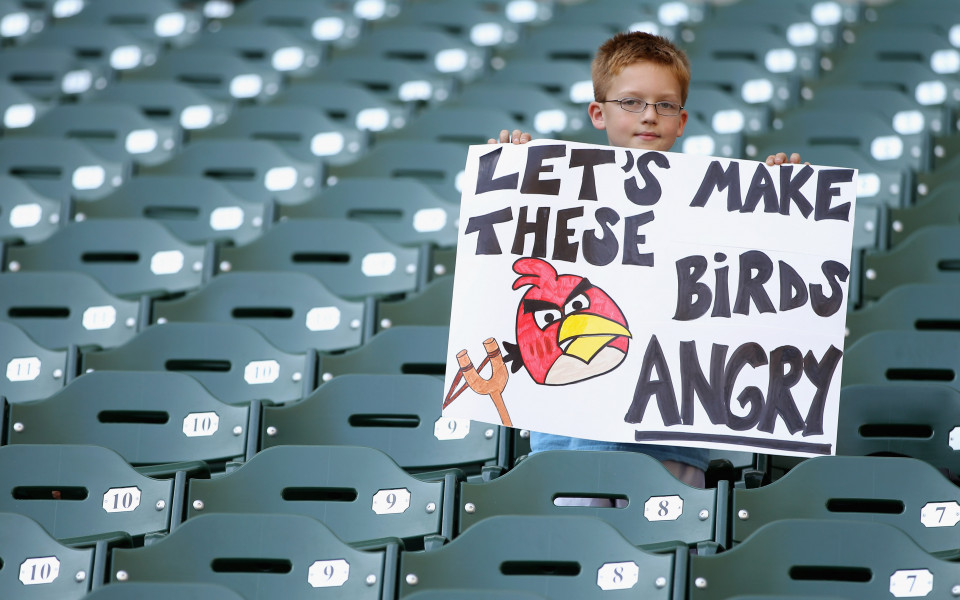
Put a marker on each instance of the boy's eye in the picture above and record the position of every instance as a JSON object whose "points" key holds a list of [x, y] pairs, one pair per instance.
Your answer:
{"points": [[631, 102], [668, 107]]}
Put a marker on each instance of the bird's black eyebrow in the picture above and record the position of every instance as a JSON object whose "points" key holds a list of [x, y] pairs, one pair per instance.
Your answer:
{"points": [[582, 287], [533, 304]]}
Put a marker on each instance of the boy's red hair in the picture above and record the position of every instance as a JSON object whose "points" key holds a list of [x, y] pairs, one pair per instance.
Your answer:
{"points": [[625, 49]]}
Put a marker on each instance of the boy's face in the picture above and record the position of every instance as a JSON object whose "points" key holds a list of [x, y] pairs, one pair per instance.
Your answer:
{"points": [[647, 130]]}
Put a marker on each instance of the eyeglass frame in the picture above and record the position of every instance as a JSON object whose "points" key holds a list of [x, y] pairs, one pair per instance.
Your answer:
{"points": [[656, 106]]}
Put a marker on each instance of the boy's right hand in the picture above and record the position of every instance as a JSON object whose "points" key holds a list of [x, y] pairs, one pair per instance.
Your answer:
{"points": [[517, 137]]}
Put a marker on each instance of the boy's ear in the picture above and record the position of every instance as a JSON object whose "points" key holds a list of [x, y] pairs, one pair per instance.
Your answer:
{"points": [[595, 110]]}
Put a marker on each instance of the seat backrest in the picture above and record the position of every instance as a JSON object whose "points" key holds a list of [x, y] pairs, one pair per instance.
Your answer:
{"points": [[904, 492], [148, 418], [195, 209], [919, 420], [26, 215], [429, 306], [402, 350], [169, 102], [217, 72], [78, 493], [349, 257], [823, 558], [88, 316], [906, 307], [404, 211], [631, 491], [895, 356], [436, 164], [260, 556], [29, 371], [117, 131], [130, 257], [233, 361], [396, 414], [37, 566], [558, 557], [294, 311], [358, 492], [253, 169], [60, 168]]}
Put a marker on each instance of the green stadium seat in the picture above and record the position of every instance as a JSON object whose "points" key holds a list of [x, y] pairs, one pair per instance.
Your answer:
{"points": [[130, 257], [926, 256], [148, 418], [534, 110], [345, 103], [405, 211], [850, 126], [566, 80], [118, 132], [260, 557], [467, 125], [358, 492], [194, 208], [429, 306], [940, 207], [433, 50], [918, 420], [632, 492], [468, 21], [235, 362], [407, 350], [25, 215], [18, 108], [906, 307], [822, 558], [89, 316], [109, 48], [256, 170], [903, 356], [305, 133], [162, 21], [81, 494], [439, 165], [50, 74], [350, 258], [904, 113], [36, 566], [30, 371], [558, 557], [168, 102], [767, 46], [906, 493], [294, 311], [310, 21], [216, 72], [393, 80], [270, 47], [396, 414], [60, 168]]}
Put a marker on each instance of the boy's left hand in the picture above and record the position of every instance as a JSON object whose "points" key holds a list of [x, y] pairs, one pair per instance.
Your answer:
{"points": [[781, 158]]}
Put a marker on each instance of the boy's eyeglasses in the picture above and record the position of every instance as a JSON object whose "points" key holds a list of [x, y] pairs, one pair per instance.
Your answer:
{"points": [[636, 105]]}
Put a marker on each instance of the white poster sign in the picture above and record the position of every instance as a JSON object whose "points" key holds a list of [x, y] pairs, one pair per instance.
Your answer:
{"points": [[633, 296]]}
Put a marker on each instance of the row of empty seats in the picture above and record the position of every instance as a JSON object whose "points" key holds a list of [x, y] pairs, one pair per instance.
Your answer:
{"points": [[227, 248]]}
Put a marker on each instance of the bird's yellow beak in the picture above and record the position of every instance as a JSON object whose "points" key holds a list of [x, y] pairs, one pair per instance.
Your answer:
{"points": [[589, 334]]}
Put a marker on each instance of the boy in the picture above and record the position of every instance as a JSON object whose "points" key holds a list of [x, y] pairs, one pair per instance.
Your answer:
{"points": [[640, 85]]}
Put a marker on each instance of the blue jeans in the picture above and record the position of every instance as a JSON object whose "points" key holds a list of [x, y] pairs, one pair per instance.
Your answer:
{"points": [[696, 457]]}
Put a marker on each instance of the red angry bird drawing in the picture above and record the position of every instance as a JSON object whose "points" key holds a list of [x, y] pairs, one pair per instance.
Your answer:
{"points": [[568, 329]]}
